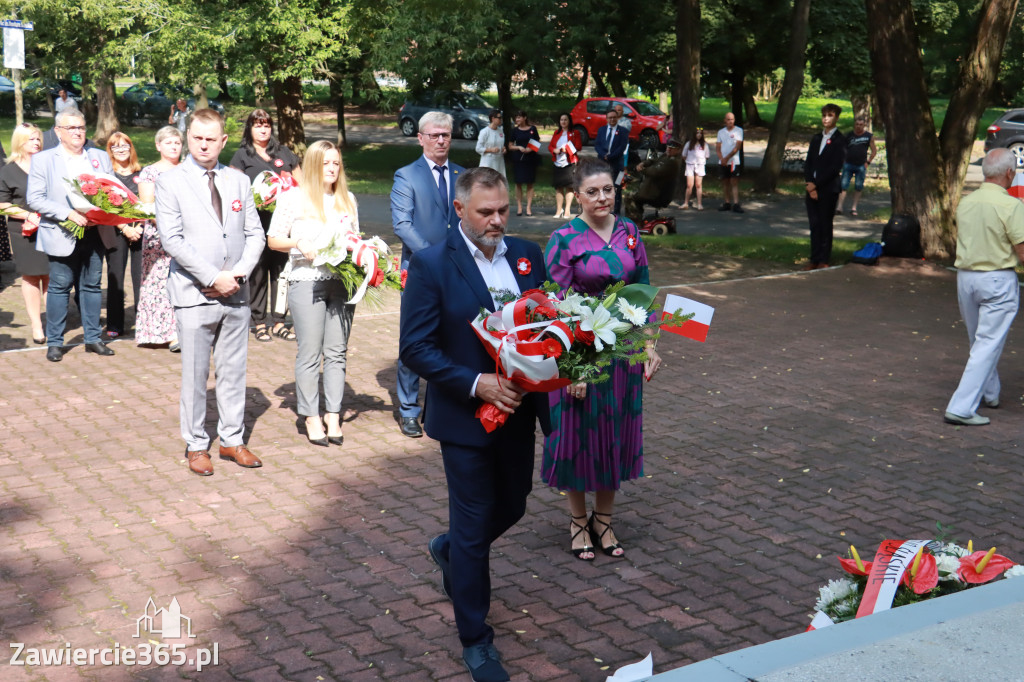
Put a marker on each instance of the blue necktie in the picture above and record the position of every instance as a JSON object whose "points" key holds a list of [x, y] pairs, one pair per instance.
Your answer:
{"points": [[442, 187]]}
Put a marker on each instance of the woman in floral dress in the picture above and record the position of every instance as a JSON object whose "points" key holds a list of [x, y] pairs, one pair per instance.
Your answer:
{"points": [[596, 441], [154, 316]]}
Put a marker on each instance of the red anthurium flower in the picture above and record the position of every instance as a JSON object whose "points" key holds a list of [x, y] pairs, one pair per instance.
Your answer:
{"points": [[552, 348], [969, 567], [631, 241], [236, 205], [850, 566], [523, 266], [927, 576]]}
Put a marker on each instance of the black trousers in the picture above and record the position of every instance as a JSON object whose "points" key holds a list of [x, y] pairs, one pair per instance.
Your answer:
{"points": [[820, 214], [118, 259], [263, 286]]}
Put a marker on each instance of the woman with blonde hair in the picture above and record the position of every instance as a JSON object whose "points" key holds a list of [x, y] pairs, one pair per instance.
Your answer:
{"points": [[305, 220], [32, 266], [154, 315], [128, 247]]}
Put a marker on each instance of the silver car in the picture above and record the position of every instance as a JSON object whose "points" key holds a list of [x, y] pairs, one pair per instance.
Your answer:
{"points": [[1008, 132], [468, 111]]}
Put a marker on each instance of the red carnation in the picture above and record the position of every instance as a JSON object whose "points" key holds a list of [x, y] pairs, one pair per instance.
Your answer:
{"points": [[90, 188], [378, 277], [584, 337], [405, 276], [86, 177]]}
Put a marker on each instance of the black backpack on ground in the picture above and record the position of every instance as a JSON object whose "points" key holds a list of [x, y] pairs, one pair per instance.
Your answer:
{"points": [[902, 237]]}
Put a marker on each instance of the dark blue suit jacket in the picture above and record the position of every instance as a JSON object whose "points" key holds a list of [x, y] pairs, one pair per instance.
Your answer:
{"points": [[443, 294], [613, 151], [418, 216]]}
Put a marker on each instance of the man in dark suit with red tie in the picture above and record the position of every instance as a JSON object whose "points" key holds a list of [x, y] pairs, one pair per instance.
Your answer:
{"points": [[822, 170], [610, 144], [489, 475]]}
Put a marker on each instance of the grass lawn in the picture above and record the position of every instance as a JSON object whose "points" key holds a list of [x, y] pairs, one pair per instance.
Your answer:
{"points": [[787, 250]]}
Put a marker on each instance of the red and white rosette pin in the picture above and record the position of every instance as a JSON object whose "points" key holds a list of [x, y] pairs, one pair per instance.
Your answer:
{"points": [[631, 242], [236, 205], [523, 266]]}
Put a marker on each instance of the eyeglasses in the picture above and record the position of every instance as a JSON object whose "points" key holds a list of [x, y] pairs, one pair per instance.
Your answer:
{"points": [[73, 129], [593, 192], [434, 137], [120, 146]]}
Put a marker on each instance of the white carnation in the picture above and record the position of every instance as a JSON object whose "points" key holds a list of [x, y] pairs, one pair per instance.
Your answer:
{"points": [[836, 590], [1014, 572]]}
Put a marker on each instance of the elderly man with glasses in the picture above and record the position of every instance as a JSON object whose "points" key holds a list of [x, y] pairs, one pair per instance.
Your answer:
{"points": [[73, 262], [422, 212]]}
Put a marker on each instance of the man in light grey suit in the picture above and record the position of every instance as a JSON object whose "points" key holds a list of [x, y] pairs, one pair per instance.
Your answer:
{"points": [[422, 212], [208, 225], [73, 262]]}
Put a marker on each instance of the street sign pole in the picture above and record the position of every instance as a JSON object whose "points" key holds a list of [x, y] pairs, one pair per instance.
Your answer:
{"points": [[14, 59]]}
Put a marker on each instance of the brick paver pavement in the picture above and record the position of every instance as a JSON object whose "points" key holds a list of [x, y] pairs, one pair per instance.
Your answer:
{"points": [[811, 419]]}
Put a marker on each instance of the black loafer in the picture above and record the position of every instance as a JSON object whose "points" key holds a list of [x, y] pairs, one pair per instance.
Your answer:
{"points": [[442, 563], [54, 354], [411, 427], [98, 349], [484, 663]]}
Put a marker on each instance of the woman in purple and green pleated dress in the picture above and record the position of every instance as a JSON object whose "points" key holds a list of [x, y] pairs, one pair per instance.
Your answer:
{"points": [[596, 441]]}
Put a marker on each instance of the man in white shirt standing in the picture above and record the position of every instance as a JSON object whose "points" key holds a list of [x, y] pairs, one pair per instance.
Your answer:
{"points": [[63, 102], [730, 148]]}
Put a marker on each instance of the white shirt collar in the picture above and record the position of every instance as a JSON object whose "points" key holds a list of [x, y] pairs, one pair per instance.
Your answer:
{"points": [[431, 164]]}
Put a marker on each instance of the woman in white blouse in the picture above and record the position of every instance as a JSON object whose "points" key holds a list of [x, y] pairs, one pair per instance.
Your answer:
{"points": [[490, 144], [305, 220]]}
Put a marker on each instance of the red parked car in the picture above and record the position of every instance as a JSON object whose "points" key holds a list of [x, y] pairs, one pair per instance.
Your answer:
{"points": [[589, 115]]}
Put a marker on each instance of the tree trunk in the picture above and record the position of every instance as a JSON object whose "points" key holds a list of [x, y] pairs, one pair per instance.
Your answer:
{"points": [[750, 107], [584, 82], [978, 72], [916, 178], [106, 119], [792, 84], [600, 89], [736, 83], [199, 92], [259, 89], [222, 82], [88, 106], [288, 100], [861, 106], [340, 99], [504, 83], [616, 82], [686, 90]]}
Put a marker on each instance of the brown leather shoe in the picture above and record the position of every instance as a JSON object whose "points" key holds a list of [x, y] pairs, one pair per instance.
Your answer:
{"points": [[241, 455], [199, 462]]}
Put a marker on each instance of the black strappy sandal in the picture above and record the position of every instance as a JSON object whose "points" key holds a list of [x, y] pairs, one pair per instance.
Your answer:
{"points": [[596, 537], [578, 553]]}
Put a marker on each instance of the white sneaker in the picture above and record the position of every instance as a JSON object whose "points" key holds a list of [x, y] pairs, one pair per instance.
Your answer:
{"points": [[973, 420]]}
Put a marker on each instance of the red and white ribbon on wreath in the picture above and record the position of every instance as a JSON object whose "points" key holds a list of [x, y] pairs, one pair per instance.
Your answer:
{"points": [[524, 350], [269, 186], [365, 256]]}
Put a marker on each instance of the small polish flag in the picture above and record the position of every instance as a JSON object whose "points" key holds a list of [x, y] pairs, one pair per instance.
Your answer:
{"points": [[570, 151], [696, 327], [534, 145], [1017, 188]]}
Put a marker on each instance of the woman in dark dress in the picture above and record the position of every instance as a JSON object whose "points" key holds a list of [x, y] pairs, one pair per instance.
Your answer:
{"points": [[32, 266], [129, 237], [524, 160], [260, 151]]}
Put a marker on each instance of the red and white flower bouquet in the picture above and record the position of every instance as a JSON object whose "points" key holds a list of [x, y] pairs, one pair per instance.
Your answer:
{"points": [[541, 342], [365, 266], [904, 572], [103, 200], [268, 186]]}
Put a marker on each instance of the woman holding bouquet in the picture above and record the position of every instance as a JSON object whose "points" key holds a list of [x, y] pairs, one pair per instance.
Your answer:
{"points": [[260, 151], [154, 315], [596, 441], [32, 266], [126, 165], [305, 220]]}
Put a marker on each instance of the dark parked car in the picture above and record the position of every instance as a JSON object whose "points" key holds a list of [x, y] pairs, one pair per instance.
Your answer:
{"points": [[590, 114], [469, 111], [154, 100], [34, 92], [1008, 131]]}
